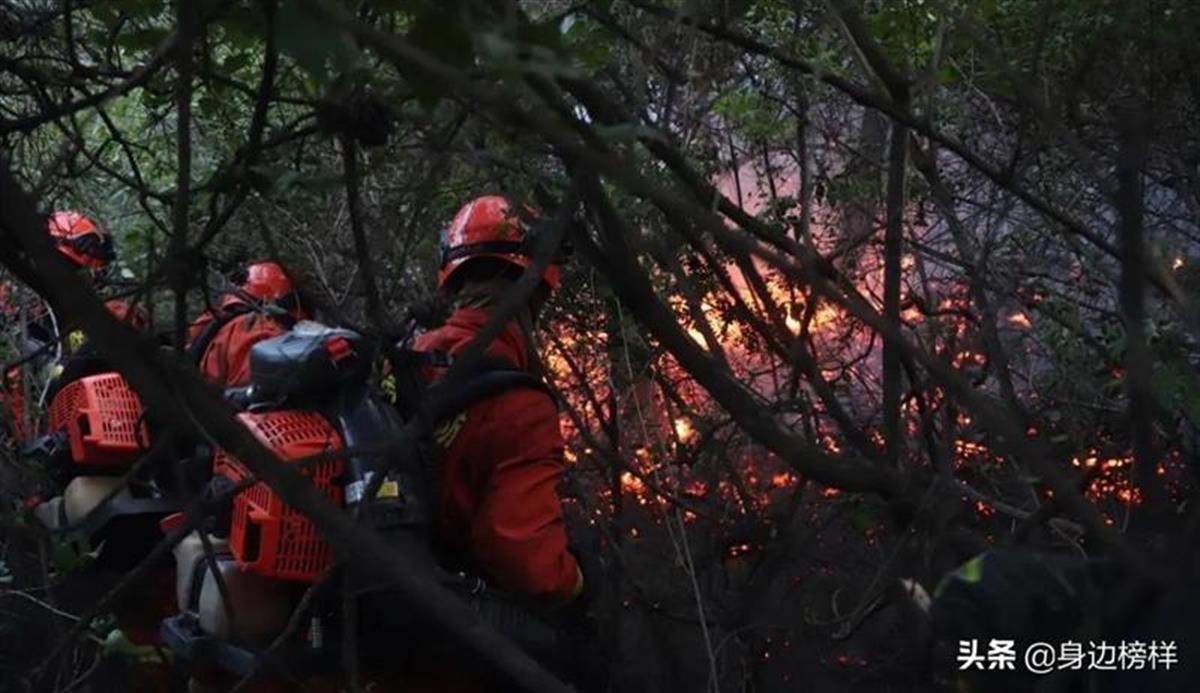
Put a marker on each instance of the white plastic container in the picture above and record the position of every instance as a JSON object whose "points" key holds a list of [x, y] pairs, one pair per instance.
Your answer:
{"points": [[81, 496], [261, 606]]}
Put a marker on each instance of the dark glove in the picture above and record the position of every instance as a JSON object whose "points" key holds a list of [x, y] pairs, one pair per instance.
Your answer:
{"points": [[584, 655], [592, 569], [586, 543]]}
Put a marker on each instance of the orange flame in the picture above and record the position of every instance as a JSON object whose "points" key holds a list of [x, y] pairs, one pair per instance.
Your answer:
{"points": [[684, 429], [632, 484]]}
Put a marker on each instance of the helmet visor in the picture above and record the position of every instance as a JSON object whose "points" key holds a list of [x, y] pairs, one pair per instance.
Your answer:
{"points": [[96, 246]]}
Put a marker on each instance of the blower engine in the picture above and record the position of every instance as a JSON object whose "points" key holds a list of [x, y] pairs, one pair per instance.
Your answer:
{"points": [[101, 419], [97, 430], [268, 537]]}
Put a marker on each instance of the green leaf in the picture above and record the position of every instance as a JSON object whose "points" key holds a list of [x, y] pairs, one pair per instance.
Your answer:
{"points": [[107, 14], [243, 27], [143, 39], [1177, 388], [586, 42], [438, 31], [543, 34], [209, 105], [236, 62], [69, 556], [116, 641], [135, 9], [312, 44]]}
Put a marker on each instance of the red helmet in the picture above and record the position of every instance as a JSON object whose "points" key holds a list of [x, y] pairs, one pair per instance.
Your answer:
{"points": [[81, 240], [268, 282], [486, 227]]}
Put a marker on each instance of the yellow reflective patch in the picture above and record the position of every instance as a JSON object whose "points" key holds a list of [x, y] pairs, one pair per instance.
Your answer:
{"points": [[149, 654], [388, 489], [75, 340], [971, 571], [447, 432], [388, 385]]}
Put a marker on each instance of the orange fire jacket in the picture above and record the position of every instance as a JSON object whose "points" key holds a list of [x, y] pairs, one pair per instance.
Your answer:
{"points": [[503, 460], [226, 360]]}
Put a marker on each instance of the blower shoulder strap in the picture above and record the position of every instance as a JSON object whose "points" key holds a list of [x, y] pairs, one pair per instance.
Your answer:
{"points": [[220, 319], [490, 376]]}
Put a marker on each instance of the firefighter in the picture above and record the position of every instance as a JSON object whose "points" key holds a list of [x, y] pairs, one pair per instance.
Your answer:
{"points": [[1030, 598], [90, 248], [264, 304], [87, 246], [503, 456], [501, 517], [63, 354]]}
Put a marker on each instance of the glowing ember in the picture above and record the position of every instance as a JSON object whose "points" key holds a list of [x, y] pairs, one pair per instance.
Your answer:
{"points": [[738, 550], [656, 429], [826, 316], [683, 429], [632, 484], [1129, 495], [970, 452], [967, 447], [793, 324], [1110, 478], [849, 660], [964, 357]]}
